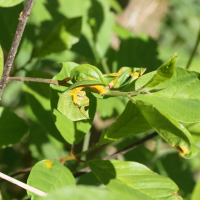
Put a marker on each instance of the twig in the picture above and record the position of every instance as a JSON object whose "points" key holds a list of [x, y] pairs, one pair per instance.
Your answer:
{"points": [[131, 147], [23, 185], [18, 173], [17, 38], [194, 50], [41, 80], [121, 152]]}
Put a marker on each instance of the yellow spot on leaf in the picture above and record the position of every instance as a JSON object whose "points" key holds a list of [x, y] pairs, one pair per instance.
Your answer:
{"points": [[183, 150], [100, 89], [74, 94], [48, 163]]}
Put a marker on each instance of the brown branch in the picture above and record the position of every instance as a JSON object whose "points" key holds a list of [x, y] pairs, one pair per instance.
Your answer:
{"points": [[40, 80], [118, 153], [17, 38]]}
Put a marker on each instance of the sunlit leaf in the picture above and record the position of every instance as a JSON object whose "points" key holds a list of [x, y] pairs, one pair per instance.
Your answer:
{"points": [[48, 176], [134, 179], [169, 129], [73, 132], [9, 3], [130, 122], [180, 99], [85, 193]]}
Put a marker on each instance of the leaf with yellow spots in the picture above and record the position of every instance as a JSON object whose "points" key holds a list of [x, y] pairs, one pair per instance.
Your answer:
{"points": [[48, 176], [169, 129], [74, 104], [123, 77]]}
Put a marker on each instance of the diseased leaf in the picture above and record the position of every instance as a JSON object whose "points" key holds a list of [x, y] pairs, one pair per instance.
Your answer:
{"points": [[130, 122], [62, 37], [1, 62], [48, 176], [13, 128], [123, 177], [85, 193], [180, 99], [169, 129], [73, 132], [9, 3], [72, 111]]}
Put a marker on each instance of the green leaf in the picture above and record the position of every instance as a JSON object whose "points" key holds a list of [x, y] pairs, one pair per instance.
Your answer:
{"points": [[73, 132], [130, 122], [138, 51], [13, 128], [163, 73], [49, 176], [8, 24], [1, 62], [38, 96], [84, 193], [115, 5], [169, 129], [196, 192], [134, 179], [63, 36], [9, 3], [86, 72], [96, 32], [194, 129], [180, 99]]}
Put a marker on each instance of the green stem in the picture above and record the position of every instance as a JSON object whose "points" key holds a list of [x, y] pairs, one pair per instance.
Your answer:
{"points": [[118, 93], [194, 50], [74, 157]]}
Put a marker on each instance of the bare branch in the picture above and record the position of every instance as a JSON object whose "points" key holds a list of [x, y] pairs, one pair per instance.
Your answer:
{"points": [[17, 38], [121, 152], [23, 185], [40, 80]]}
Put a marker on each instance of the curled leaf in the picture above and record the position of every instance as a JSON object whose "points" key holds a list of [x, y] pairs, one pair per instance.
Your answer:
{"points": [[164, 72], [86, 72], [124, 76]]}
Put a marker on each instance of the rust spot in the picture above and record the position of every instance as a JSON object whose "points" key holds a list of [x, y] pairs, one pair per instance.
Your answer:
{"points": [[66, 79], [74, 94], [48, 164], [100, 89], [183, 150]]}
